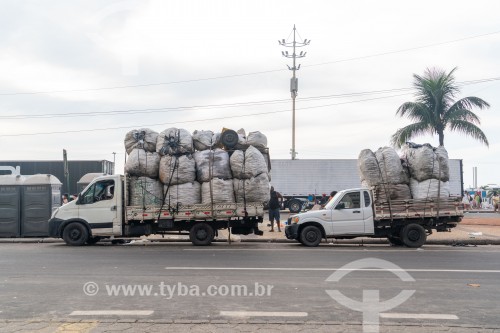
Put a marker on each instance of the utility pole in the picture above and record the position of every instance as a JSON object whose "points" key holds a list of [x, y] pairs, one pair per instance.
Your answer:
{"points": [[294, 82], [66, 170]]}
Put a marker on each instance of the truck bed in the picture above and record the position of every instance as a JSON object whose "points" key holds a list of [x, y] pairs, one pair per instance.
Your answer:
{"points": [[419, 208], [195, 212]]}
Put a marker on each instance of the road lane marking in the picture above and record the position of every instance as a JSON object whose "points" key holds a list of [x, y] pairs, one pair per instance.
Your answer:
{"points": [[112, 313], [332, 269], [77, 327], [262, 314], [418, 316]]}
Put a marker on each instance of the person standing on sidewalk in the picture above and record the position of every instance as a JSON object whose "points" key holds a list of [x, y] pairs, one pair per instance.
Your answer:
{"points": [[477, 199], [274, 209], [495, 200], [466, 201]]}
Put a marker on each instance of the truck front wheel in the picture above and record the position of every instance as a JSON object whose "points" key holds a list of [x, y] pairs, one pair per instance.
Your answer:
{"points": [[75, 234], [413, 235], [310, 236], [201, 234]]}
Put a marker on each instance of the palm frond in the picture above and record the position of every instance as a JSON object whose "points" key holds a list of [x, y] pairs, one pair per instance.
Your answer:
{"points": [[435, 108], [462, 114], [469, 129], [404, 134], [415, 111], [470, 103]]}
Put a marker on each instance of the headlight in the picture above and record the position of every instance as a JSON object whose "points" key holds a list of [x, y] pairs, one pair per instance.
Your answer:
{"points": [[295, 219]]}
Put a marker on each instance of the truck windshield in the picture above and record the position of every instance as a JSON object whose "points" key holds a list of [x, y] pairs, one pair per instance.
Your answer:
{"points": [[101, 190], [332, 200]]}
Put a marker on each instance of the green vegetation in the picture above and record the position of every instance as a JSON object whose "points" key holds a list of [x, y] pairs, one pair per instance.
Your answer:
{"points": [[435, 109]]}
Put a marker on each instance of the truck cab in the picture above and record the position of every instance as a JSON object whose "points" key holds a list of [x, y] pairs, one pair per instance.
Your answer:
{"points": [[97, 212], [348, 214]]}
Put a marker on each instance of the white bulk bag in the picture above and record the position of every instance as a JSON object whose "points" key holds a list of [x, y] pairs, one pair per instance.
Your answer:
{"points": [[255, 189], [248, 164], [142, 164], [143, 138], [174, 141], [212, 164], [144, 191], [217, 191], [176, 170], [183, 194]]}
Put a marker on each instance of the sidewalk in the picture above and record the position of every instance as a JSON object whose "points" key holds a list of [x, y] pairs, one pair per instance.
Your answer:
{"points": [[133, 325]]}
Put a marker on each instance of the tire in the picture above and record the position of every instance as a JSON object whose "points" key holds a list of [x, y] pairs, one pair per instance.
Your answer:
{"points": [[229, 138], [93, 240], [294, 206], [75, 234], [310, 236], [413, 235], [395, 241], [201, 234]]}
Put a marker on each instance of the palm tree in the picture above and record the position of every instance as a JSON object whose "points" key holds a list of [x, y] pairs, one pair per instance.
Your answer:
{"points": [[435, 109]]}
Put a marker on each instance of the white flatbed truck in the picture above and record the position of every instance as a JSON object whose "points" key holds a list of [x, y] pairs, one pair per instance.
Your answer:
{"points": [[101, 211], [354, 213]]}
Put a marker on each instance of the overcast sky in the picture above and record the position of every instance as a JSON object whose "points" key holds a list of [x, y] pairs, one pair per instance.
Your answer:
{"points": [[67, 67]]}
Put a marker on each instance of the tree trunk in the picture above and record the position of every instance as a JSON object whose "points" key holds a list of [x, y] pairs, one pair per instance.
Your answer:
{"points": [[441, 138]]}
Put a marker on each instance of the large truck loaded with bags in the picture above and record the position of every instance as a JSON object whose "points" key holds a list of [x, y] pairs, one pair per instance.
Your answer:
{"points": [[175, 182], [402, 198]]}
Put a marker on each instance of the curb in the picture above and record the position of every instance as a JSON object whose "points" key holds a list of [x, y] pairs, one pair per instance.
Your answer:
{"points": [[361, 241], [332, 324]]}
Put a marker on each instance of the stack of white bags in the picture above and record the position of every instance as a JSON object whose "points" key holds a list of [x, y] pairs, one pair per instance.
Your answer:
{"points": [[182, 169]]}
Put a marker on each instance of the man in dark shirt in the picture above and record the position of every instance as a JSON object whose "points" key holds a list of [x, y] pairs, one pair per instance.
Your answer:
{"points": [[274, 209]]}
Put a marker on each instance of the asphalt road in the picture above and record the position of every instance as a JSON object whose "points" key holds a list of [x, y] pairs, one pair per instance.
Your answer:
{"points": [[439, 285]]}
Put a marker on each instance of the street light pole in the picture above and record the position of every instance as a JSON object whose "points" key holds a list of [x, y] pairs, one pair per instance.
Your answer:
{"points": [[294, 82]]}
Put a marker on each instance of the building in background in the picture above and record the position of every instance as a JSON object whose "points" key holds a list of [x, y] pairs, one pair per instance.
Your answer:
{"points": [[76, 170]]}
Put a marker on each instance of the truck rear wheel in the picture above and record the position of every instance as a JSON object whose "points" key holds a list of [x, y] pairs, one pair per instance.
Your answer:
{"points": [[201, 234], [294, 206], [75, 234], [310, 236], [413, 235]]}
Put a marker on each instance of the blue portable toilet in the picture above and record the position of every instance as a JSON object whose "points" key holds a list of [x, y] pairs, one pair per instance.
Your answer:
{"points": [[10, 205], [41, 194]]}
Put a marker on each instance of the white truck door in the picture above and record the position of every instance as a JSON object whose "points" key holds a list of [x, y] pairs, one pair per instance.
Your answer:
{"points": [[368, 214], [98, 206], [348, 215]]}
